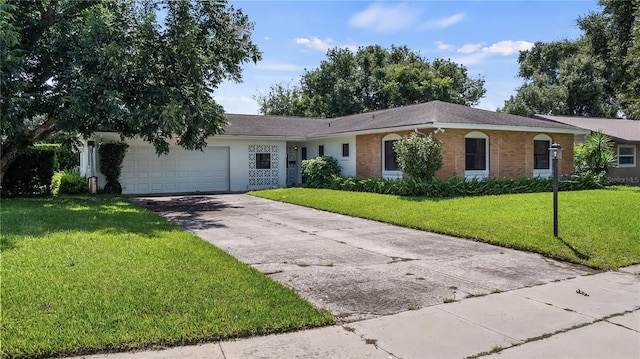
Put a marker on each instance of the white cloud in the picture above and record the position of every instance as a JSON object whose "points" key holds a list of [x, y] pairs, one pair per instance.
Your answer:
{"points": [[238, 104], [442, 46], [385, 19], [315, 43], [469, 48], [508, 47], [444, 22], [470, 59], [274, 66]]}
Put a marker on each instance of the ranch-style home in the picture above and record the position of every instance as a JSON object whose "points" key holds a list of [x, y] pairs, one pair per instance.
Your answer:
{"points": [[625, 135], [259, 152]]}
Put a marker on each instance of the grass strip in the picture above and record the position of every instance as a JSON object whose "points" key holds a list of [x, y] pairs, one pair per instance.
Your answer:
{"points": [[598, 228], [85, 275]]}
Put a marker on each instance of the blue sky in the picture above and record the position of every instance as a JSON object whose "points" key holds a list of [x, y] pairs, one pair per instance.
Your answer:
{"points": [[485, 36]]}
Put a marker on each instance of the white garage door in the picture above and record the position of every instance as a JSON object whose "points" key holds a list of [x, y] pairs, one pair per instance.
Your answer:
{"points": [[179, 171]]}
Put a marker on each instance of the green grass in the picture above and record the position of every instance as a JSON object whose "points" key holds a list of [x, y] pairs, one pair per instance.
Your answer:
{"points": [[84, 275], [598, 228]]}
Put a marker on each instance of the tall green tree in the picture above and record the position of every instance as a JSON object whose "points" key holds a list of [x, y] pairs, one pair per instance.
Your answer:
{"points": [[595, 75], [370, 79], [74, 65]]}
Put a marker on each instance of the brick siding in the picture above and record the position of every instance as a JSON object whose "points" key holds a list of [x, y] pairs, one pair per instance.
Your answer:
{"points": [[510, 152]]}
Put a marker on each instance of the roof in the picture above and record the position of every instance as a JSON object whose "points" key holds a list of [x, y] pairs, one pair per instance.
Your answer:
{"points": [[429, 114], [276, 126], [619, 130]]}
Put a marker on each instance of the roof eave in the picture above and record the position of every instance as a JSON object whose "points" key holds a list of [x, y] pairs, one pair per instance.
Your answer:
{"points": [[471, 126]]}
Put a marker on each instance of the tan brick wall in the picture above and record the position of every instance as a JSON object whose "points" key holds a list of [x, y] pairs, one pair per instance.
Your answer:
{"points": [[369, 153], [510, 152]]}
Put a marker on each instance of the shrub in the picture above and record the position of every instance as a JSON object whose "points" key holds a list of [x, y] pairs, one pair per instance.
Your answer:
{"points": [[111, 157], [595, 156], [460, 186], [68, 182], [30, 173], [319, 171], [65, 157], [419, 157]]}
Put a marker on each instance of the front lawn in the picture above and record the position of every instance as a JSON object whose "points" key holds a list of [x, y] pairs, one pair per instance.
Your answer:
{"points": [[83, 275], [599, 228]]}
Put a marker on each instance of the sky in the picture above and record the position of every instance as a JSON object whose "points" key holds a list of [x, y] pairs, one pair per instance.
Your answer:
{"points": [[484, 36]]}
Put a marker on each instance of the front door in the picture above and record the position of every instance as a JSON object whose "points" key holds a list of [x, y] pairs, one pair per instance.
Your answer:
{"points": [[293, 165]]}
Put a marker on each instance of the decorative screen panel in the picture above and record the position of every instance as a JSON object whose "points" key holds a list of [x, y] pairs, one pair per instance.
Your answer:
{"points": [[263, 178]]}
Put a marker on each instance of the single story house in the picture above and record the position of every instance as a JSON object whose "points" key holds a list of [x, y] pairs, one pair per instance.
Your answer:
{"points": [[625, 135], [259, 152]]}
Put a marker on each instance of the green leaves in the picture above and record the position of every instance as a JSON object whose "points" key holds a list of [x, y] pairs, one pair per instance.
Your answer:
{"points": [[371, 79], [595, 75], [88, 65], [595, 156], [419, 157], [320, 171]]}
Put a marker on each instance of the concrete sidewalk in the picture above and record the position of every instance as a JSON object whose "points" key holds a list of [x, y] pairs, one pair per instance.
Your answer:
{"points": [[592, 316]]}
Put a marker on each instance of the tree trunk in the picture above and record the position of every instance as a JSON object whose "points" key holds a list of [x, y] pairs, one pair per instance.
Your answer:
{"points": [[11, 150], [9, 155]]}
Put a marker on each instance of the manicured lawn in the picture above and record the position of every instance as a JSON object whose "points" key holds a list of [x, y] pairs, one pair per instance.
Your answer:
{"points": [[599, 228], [83, 275]]}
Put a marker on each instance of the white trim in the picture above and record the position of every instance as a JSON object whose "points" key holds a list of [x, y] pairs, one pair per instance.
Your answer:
{"points": [[542, 172], [480, 174], [389, 174], [467, 126], [635, 156]]}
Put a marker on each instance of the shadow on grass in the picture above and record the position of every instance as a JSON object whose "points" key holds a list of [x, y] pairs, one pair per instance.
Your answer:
{"points": [[115, 214], [575, 251]]}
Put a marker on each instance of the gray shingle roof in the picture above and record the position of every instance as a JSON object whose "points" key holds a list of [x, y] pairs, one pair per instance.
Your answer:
{"points": [[437, 112], [273, 126], [620, 130]]}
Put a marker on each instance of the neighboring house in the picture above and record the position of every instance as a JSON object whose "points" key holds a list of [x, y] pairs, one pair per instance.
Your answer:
{"points": [[258, 152], [625, 135]]}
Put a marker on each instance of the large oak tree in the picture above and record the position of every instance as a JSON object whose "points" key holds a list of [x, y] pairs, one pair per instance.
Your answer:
{"points": [[142, 68], [370, 79], [595, 75]]}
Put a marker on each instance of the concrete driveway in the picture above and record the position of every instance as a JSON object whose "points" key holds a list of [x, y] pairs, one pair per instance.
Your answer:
{"points": [[355, 268]]}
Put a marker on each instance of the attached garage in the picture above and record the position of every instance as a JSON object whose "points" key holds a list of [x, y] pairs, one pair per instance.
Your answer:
{"points": [[180, 171]]}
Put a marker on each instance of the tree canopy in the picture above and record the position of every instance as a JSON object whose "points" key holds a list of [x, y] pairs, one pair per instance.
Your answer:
{"points": [[85, 65], [370, 79], [596, 75]]}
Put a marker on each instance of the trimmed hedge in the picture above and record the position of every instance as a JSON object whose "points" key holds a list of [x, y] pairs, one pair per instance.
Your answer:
{"points": [[30, 174], [65, 157], [111, 157], [460, 186]]}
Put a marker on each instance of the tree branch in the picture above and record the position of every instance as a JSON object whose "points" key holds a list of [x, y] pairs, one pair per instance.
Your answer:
{"points": [[49, 18]]}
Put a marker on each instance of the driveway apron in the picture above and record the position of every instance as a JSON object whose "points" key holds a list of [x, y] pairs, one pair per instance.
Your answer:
{"points": [[355, 268]]}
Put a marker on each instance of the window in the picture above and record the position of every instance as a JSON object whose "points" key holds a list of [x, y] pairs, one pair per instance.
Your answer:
{"points": [[304, 153], [389, 162], [476, 155], [263, 161], [390, 157], [626, 156], [345, 150], [541, 154], [321, 150]]}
